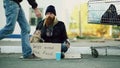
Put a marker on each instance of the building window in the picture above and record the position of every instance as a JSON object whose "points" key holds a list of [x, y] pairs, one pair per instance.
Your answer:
{"points": [[33, 19]]}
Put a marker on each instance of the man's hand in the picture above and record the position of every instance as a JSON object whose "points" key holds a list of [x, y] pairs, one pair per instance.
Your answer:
{"points": [[37, 12]]}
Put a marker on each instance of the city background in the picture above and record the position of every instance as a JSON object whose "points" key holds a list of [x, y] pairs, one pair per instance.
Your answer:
{"points": [[75, 16], [81, 18]]}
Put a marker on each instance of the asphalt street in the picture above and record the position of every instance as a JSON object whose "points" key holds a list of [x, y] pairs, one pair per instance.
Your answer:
{"points": [[12, 60], [87, 61]]}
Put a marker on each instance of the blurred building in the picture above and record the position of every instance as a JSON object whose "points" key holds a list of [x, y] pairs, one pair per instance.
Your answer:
{"points": [[74, 13]]}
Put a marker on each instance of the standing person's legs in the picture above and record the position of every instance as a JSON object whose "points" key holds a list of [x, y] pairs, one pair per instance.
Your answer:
{"points": [[25, 30], [11, 12]]}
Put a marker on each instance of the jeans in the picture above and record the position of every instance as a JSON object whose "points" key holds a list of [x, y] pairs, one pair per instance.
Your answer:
{"points": [[14, 12], [63, 48]]}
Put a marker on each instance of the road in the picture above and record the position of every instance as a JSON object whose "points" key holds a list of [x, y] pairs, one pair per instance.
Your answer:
{"points": [[13, 61]]}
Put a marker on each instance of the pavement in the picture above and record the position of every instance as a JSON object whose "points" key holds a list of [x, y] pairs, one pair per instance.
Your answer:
{"points": [[10, 59], [82, 46]]}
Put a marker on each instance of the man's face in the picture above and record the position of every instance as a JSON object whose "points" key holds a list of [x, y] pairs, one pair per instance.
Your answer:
{"points": [[49, 18]]}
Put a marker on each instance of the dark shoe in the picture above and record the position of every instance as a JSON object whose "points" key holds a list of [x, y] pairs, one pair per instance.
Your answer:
{"points": [[32, 56], [62, 55]]}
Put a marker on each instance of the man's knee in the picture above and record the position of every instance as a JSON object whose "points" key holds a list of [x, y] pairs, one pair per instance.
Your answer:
{"points": [[64, 48], [26, 30], [10, 31]]}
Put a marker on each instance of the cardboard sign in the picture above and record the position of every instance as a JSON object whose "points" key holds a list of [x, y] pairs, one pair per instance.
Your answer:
{"points": [[46, 50]]}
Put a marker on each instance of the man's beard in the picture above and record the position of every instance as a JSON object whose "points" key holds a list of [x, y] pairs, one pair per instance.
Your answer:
{"points": [[49, 21]]}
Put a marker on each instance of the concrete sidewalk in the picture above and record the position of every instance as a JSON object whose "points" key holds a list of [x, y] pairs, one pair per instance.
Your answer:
{"points": [[79, 46], [12, 61], [11, 51]]}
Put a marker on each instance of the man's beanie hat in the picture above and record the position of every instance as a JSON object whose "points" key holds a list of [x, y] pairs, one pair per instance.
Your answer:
{"points": [[51, 9]]}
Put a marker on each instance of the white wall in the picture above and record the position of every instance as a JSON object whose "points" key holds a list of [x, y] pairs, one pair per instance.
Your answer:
{"points": [[2, 15], [3, 18], [63, 8], [41, 3]]}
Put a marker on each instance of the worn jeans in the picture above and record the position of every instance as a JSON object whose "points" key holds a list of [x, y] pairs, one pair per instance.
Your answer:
{"points": [[63, 48], [14, 12]]}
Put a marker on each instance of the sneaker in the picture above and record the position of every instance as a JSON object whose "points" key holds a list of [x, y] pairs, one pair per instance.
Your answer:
{"points": [[29, 57], [32, 56], [21, 57]]}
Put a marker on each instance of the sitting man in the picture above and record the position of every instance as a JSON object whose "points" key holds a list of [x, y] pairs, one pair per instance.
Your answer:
{"points": [[53, 30]]}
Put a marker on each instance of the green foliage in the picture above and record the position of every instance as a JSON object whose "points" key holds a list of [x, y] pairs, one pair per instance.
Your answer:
{"points": [[116, 31], [87, 37]]}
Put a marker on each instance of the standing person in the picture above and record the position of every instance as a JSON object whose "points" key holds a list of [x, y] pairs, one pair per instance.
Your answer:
{"points": [[14, 12], [53, 30]]}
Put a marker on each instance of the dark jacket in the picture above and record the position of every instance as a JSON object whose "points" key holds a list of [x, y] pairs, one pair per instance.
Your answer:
{"points": [[31, 2], [59, 34]]}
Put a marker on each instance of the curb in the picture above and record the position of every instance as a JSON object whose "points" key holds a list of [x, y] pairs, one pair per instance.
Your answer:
{"points": [[80, 50]]}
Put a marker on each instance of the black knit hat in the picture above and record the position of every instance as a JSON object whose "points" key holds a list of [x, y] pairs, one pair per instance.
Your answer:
{"points": [[51, 9]]}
